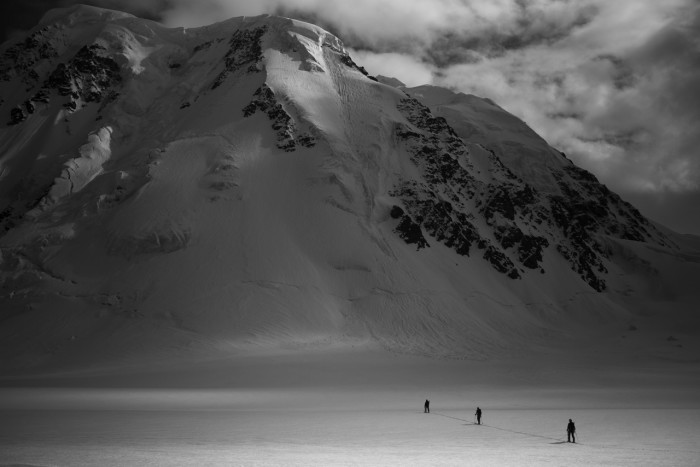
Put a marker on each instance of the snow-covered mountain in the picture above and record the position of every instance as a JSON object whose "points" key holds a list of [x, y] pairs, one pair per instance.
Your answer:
{"points": [[247, 184]]}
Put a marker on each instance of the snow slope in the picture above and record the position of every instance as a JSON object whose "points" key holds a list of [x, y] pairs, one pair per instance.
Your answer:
{"points": [[213, 191]]}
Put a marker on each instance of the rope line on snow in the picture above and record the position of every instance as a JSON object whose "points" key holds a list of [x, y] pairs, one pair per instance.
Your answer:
{"points": [[602, 446], [498, 428], [561, 438]]}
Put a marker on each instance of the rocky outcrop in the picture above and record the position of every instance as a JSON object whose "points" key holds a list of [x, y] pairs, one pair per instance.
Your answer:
{"points": [[288, 137], [442, 202], [90, 76], [244, 50], [448, 201], [20, 60]]}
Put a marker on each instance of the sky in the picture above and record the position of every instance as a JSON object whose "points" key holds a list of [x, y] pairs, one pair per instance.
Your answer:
{"points": [[615, 85]]}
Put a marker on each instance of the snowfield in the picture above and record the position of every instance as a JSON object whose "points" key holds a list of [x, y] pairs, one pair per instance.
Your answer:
{"points": [[354, 408], [382, 437]]}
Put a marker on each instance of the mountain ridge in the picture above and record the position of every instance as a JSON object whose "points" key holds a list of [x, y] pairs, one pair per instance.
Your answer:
{"points": [[248, 183]]}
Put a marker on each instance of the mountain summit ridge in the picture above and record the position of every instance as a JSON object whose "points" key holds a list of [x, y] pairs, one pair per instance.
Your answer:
{"points": [[247, 183]]}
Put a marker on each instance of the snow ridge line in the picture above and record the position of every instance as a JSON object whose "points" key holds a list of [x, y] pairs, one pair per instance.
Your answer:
{"points": [[498, 428]]}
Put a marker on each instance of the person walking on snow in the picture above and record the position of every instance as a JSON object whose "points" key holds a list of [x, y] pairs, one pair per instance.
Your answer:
{"points": [[478, 416], [426, 407], [570, 432]]}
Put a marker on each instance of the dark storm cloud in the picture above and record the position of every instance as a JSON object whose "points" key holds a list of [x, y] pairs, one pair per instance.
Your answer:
{"points": [[623, 74], [530, 27]]}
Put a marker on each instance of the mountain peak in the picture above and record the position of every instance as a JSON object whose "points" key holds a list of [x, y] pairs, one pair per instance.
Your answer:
{"points": [[247, 182]]}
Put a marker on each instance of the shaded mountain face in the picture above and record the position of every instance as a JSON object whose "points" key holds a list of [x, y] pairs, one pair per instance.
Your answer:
{"points": [[249, 183]]}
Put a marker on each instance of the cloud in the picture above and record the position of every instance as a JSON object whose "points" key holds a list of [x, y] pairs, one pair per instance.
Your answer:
{"points": [[619, 94], [387, 22]]}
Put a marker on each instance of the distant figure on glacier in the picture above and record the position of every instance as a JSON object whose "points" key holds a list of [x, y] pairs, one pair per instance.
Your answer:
{"points": [[570, 432], [426, 406], [478, 416]]}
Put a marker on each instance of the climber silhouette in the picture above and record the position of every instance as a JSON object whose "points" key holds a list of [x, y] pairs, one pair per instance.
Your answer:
{"points": [[426, 407], [570, 432], [478, 416]]}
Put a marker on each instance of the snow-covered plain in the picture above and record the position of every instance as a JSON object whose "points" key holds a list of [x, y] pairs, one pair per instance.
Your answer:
{"points": [[355, 407], [305, 435], [361, 408]]}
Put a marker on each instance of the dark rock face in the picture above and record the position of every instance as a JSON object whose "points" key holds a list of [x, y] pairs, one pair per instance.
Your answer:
{"points": [[442, 202], [86, 76], [501, 262], [20, 59], [529, 247], [408, 230], [346, 60], [287, 134], [17, 115], [244, 49], [8, 219], [521, 224], [90, 76], [585, 213], [595, 204]]}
